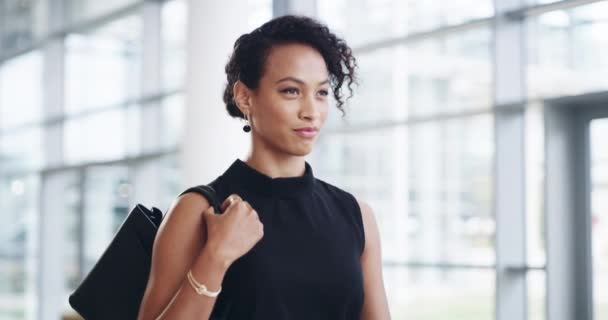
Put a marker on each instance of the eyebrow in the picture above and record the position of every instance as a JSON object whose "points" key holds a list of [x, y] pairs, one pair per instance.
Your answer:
{"points": [[300, 81]]}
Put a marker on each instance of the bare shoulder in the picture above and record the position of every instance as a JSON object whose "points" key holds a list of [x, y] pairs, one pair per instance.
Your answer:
{"points": [[367, 213], [180, 238], [369, 225], [189, 202], [184, 211]]}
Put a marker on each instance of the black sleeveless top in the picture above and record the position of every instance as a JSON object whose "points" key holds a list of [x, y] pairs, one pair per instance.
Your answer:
{"points": [[307, 264]]}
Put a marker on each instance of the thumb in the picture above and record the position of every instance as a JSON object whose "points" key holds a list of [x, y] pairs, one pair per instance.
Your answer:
{"points": [[209, 213]]}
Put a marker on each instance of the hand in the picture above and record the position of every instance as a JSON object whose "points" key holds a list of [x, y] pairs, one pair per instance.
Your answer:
{"points": [[232, 234]]}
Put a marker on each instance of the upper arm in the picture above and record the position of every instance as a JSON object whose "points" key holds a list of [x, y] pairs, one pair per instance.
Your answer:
{"points": [[179, 240], [375, 305]]}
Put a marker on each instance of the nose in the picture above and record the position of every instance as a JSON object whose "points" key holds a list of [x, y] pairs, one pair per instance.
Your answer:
{"points": [[310, 109]]}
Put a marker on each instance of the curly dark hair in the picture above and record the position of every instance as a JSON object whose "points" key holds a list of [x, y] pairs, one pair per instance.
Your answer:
{"points": [[252, 49]]}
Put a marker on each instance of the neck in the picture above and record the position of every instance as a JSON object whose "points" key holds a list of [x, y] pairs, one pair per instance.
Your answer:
{"points": [[276, 166]]}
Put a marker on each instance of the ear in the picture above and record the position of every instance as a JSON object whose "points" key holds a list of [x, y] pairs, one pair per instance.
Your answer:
{"points": [[242, 96]]}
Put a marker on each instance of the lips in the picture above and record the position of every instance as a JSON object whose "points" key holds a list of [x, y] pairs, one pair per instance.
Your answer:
{"points": [[306, 132], [308, 129]]}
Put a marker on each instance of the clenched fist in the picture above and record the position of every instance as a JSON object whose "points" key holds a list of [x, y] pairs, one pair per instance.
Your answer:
{"points": [[232, 234]]}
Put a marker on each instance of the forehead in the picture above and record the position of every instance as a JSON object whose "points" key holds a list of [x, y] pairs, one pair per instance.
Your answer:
{"points": [[296, 60]]}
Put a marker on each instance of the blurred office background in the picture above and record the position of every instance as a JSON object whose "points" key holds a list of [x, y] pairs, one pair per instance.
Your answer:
{"points": [[478, 134]]}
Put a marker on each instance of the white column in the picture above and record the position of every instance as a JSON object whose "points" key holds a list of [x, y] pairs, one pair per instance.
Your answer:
{"points": [[212, 139], [509, 89]]}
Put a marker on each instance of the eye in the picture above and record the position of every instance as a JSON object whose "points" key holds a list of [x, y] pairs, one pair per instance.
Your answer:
{"points": [[290, 90], [324, 93]]}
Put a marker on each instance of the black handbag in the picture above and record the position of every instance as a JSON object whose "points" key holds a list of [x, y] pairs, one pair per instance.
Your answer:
{"points": [[113, 289]]}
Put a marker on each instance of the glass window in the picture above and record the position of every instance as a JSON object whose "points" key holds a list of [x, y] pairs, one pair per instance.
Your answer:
{"points": [[541, 1], [62, 202], [77, 11], [18, 246], [451, 185], [21, 90], [21, 150], [430, 185], [103, 67], [260, 11], [106, 205], [69, 184], [429, 77], [372, 166], [535, 174], [434, 294], [174, 20], [364, 21], [451, 74], [567, 50], [157, 182], [23, 23], [172, 121], [537, 294], [97, 137], [171, 181], [380, 95]]}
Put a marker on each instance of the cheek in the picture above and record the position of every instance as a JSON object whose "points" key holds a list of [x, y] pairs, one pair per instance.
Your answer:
{"points": [[276, 120], [324, 112]]}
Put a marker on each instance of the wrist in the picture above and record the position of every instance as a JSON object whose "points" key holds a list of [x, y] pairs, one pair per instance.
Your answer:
{"points": [[215, 258]]}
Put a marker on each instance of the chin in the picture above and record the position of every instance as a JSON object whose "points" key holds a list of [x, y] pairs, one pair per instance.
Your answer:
{"points": [[300, 152]]}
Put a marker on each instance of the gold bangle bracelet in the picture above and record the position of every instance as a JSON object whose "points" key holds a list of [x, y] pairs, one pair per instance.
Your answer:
{"points": [[200, 288]]}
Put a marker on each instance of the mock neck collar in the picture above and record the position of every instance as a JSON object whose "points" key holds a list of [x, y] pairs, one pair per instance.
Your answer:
{"points": [[241, 174]]}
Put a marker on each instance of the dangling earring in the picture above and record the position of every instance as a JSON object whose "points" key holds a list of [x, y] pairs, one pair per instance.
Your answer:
{"points": [[246, 127]]}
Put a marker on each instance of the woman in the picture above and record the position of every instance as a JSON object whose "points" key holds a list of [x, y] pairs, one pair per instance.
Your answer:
{"points": [[287, 245]]}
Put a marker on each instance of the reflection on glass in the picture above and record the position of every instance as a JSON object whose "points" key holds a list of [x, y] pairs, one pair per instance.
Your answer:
{"points": [[429, 184], [21, 90], [18, 247], [567, 50], [103, 67], [599, 215], [435, 294], [365, 21]]}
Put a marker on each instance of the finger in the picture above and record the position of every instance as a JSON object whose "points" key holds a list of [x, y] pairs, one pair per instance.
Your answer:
{"points": [[248, 205], [210, 211], [232, 199]]}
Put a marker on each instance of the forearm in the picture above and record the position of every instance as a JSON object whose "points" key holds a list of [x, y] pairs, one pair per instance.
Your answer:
{"points": [[207, 269]]}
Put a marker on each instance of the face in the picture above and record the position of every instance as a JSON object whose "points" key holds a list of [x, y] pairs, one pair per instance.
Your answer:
{"points": [[292, 94]]}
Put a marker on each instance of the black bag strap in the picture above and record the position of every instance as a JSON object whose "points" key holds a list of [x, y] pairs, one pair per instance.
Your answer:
{"points": [[209, 193]]}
